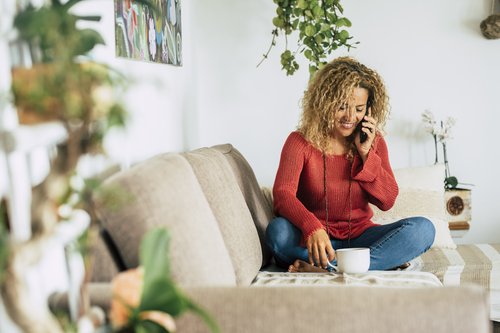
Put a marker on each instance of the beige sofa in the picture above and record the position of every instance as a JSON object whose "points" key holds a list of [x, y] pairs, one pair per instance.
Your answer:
{"points": [[216, 213]]}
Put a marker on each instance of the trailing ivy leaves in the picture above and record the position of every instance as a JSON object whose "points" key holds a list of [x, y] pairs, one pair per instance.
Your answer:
{"points": [[320, 26], [159, 291]]}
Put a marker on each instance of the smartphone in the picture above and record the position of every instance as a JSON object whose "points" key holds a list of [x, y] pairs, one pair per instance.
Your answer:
{"points": [[362, 135]]}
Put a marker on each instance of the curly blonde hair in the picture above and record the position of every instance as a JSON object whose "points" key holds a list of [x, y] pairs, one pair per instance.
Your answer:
{"points": [[330, 88]]}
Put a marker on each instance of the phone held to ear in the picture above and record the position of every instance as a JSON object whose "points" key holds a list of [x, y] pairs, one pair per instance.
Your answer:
{"points": [[362, 135]]}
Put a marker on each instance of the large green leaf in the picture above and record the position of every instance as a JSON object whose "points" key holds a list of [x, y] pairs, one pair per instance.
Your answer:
{"points": [[147, 326], [203, 315], [343, 22], [93, 18], [154, 255], [88, 38], [162, 295], [159, 292]]}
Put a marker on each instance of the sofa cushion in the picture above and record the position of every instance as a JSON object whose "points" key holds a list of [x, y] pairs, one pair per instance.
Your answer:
{"points": [[340, 309], [415, 202], [229, 207], [421, 193], [429, 177], [260, 208], [164, 191], [467, 264]]}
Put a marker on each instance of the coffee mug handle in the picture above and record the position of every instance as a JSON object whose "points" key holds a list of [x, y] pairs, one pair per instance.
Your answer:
{"points": [[335, 268]]}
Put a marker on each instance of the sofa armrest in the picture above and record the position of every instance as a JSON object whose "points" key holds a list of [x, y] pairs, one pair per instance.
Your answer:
{"points": [[341, 309], [325, 309], [99, 294]]}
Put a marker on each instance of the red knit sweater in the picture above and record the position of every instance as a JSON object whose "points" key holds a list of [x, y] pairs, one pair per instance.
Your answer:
{"points": [[299, 193]]}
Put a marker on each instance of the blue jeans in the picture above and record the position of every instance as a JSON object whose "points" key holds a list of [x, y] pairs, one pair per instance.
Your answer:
{"points": [[391, 245]]}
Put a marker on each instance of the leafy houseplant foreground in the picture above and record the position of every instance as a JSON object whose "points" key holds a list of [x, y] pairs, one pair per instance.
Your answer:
{"points": [[146, 299]]}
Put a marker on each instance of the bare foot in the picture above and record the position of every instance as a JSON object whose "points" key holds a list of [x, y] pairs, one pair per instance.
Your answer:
{"points": [[402, 267], [300, 266]]}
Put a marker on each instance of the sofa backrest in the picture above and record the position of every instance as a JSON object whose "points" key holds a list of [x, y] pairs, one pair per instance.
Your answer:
{"points": [[200, 197], [164, 191], [260, 208], [231, 212]]}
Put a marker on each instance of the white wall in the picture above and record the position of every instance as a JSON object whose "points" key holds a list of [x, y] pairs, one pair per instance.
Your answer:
{"points": [[160, 101], [431, 54]]}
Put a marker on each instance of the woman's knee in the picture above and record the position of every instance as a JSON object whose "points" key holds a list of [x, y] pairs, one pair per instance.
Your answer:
{"points": [[278, 232], [425, 231], [283, 239]]}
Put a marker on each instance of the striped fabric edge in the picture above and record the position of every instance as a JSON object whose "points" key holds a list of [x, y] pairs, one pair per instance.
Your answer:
{"points": [[492, 251], [410, 279], [469, 263]]}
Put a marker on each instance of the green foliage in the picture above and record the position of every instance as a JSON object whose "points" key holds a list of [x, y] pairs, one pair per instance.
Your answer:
{"points": [[4, 246], [320, 26], [64, 320], [159, 290], [451, 182], [54, 30], [67, 86]]}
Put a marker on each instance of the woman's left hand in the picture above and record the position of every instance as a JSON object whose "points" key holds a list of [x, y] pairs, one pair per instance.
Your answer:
{"points": [[369, 126]]}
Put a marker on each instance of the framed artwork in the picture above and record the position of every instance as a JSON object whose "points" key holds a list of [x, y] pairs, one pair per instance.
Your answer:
{"points": [[142, 33]]}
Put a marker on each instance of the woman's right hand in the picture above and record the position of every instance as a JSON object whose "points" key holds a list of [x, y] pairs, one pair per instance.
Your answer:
{"points": [[320, 249]]}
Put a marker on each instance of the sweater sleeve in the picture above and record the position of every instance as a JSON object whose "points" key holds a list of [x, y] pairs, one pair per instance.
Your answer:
{"points": [[375, 176], [286, 203]]}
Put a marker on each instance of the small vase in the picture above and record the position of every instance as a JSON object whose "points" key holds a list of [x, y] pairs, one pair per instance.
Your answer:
{"points": [[435, 149], [446, 166]]}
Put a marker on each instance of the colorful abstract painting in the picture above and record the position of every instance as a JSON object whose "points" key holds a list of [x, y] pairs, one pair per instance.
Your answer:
{"points": [[142, 33]]}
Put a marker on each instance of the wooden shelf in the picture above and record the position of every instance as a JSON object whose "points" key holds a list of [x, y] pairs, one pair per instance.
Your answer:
{"points": [[459, 225], [25, 138], [17, 144]]}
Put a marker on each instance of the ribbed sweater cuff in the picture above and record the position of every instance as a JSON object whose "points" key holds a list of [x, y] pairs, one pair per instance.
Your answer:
{"points": [[309, 229], [369, 170]]}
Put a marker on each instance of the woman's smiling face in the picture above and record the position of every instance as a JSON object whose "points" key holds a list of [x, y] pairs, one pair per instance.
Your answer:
{"points": [[349, 115]]}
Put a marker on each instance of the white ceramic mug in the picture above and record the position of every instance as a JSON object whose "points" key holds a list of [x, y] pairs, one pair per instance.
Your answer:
{"points": [[352, 260]]}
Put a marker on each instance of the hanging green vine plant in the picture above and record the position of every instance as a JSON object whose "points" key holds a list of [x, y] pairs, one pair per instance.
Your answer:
{"points": [[320, 25]]}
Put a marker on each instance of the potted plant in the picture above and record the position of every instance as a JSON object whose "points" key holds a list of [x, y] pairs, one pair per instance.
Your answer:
{"points": [[457, 200], [65, 85], [145, 299]]}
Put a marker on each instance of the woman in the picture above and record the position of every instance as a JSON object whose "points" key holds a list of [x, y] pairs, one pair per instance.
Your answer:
{"points": [[331, 168]]}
